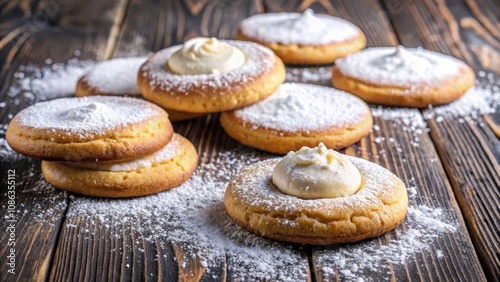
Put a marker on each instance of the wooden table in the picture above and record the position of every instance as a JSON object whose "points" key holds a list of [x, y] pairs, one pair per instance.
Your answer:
{"points": [[455, 167]]}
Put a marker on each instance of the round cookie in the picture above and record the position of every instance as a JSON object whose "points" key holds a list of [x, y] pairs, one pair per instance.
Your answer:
{"points": [[112, 77], [303, 39], [254, 203], [398, 76], [92, 128], [118, 77], [300, 115], [167, 168], [259, 76]]}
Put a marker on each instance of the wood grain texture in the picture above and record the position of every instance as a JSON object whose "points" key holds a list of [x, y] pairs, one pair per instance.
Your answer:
{"points": [[146, 29], [417, 166], [35, 217], [467, 149], [149, 28], [40, 207], [76, 247]]}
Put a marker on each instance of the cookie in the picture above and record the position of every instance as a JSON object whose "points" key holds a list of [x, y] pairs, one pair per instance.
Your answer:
{"points": [[92, 128], [303, 39], [167, 168], [257, 75], [118, 77], [112, 77], [254, 202], [399, 76], [300, 115]]}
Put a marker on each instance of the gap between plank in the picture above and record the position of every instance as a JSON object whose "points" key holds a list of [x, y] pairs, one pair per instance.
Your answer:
{"points": [[59, 229], [116, 29]]}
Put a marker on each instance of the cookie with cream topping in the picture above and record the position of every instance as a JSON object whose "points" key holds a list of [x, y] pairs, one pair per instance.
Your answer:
{"points": [[206, 75], [303, 38], [118, 77], [169, 167], [91, 128], [316, 196], [399, 76], [299, 115]]}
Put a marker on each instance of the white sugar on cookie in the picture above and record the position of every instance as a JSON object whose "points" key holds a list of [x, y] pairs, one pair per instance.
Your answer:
{"points": [[305, 28], [299, 115], [303, 38], [112, 77], [399, 76]]}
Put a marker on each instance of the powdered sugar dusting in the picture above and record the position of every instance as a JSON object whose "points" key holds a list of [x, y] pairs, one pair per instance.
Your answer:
{"points": [[404, 67], [194, 213], [87, 115], [259, 61], [5, 150], [302, 107], [482, 99], [48, 82], [211, 235], [294, 28], [406, 116], [116, 76], [424, 225], [309, 75]]}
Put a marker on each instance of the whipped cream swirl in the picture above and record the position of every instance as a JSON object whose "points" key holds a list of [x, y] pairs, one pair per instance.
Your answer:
{"points": [[313, 173], [203, 55]]}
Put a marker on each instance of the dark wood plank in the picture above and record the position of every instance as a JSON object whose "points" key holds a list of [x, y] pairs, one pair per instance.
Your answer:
{"points": [[40, 208], [148, 30], [408, 151], [468, 149]]}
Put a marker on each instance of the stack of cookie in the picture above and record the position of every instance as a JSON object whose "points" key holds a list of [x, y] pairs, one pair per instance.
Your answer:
{"points": [[104, 146]]}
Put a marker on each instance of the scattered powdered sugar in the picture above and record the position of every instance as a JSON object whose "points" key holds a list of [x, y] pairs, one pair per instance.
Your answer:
{"points": [[87, 115], [399, 66], [303, 107], [193, 215], [116, 76], [309, 75], [482, 99], [424, 226], [405, 119], [406, 116], [49, 82], [93, 111], [5, 150], [135, 46], [306, 28], [259, 61]]}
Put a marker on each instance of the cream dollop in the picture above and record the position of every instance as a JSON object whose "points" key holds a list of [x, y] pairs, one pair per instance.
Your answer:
{"points": [[313, 173], [203, 55]]}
